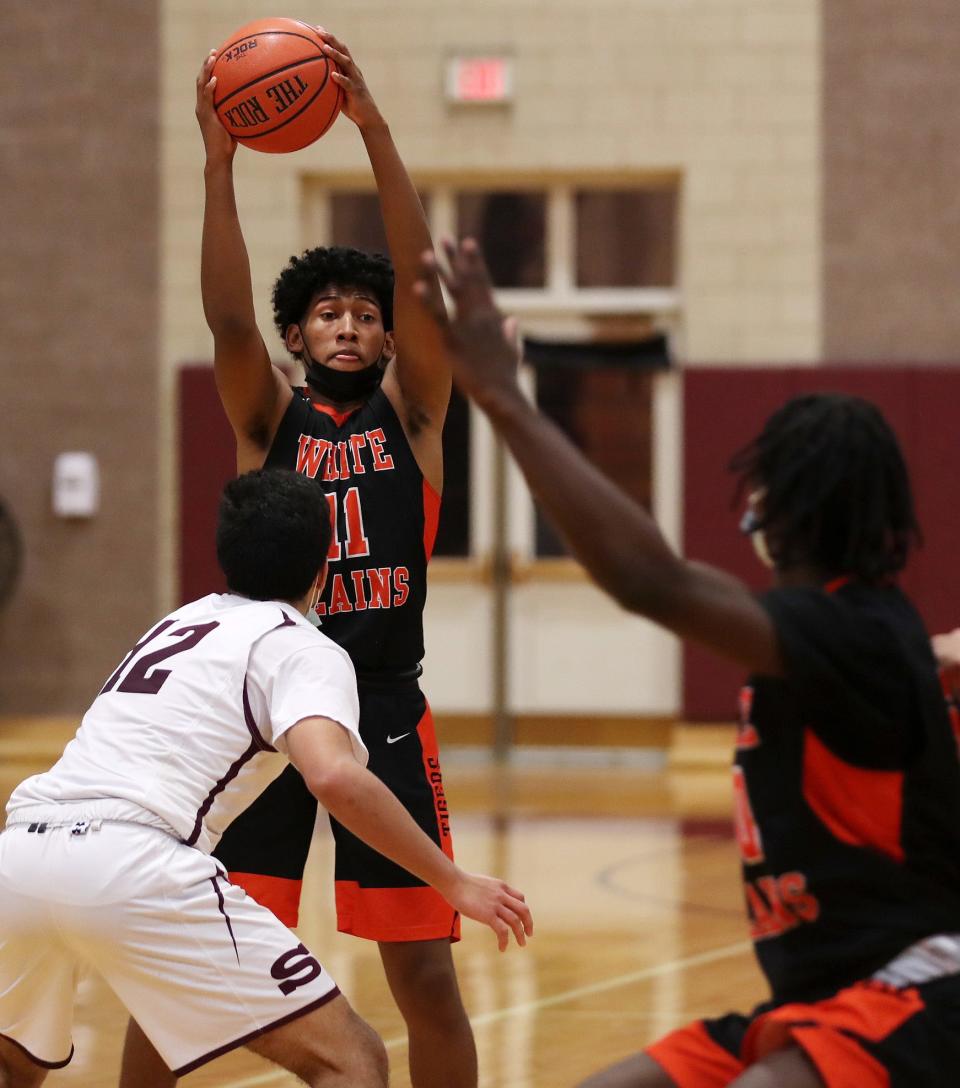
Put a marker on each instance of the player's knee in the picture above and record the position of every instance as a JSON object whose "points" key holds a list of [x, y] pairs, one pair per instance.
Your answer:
{"points": [[428, 996], [363, 1060], [377, 1065], [420, 967]]}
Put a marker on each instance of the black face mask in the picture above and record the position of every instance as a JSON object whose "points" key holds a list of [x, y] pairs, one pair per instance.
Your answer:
{"points": [[342, 386]]}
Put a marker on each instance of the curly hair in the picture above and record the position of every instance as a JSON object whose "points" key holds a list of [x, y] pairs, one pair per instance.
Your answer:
{"points": [[304, 276], [273, 533], [836, 492]]}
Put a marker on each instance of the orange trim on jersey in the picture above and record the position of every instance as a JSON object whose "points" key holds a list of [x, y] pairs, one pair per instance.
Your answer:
{"points": [[858, 806], [838, 583], [433, 774], [431, 517], [691, 1058], [328, 410], [395, 914], [405, 914], [278, 894], [840, 1062], [828, 1030]]}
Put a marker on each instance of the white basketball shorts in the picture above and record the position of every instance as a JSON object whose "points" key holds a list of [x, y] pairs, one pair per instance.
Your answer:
{"points": [[202, 967]]}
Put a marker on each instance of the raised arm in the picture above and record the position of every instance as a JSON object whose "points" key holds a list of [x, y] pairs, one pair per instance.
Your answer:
{"points": [[418, 382], [321, 751], [253, 392], [613, 537]]}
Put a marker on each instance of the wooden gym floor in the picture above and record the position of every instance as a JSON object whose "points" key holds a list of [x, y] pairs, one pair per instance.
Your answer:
{"points": [[632, 875]]}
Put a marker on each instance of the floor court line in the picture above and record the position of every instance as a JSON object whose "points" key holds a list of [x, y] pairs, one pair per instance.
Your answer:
{"points": [[685, 964]]}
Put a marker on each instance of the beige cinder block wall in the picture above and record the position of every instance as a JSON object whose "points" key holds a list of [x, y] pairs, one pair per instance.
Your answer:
{"points": [[79, 314], [725, 91], [891, 163]]}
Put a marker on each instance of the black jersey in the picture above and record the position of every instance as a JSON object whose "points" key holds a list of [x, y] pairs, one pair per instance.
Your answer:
{"points": [[847, 789], [384, 516]]}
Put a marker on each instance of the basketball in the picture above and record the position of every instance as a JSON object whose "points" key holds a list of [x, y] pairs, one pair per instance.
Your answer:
{"points": [[274, 90]]}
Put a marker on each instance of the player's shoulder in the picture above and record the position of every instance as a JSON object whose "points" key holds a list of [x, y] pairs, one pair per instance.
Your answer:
{"points": [[842, 601], [294, 637], [875, 625], [227, 607]]}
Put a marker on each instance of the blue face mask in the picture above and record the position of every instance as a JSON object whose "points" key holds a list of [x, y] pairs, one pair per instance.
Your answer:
{"points": [[750, 526], [312, 616]]}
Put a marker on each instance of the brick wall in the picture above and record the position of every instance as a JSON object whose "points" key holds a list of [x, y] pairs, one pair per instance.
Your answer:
{"points": [[78, 306], [725, 91], [891, 159]]}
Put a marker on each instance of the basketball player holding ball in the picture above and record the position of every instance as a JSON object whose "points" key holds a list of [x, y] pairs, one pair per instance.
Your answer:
{"points": [[367, 428]]}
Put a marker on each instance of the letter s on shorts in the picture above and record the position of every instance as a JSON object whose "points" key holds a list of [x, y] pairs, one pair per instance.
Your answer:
{"points": [[297, 967]]}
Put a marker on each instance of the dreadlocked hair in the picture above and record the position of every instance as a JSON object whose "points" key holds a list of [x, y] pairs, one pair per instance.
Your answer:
{"points": [[324, 266], [836, 493]]}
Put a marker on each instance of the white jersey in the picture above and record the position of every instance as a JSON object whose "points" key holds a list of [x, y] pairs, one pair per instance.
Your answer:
{"points": [[190, 727]]}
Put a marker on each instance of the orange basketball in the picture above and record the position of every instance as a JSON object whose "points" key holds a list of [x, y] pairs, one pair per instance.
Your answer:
{"points": [[274, 91]]}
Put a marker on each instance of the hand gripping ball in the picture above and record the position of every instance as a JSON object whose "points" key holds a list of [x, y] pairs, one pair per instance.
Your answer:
{"points": [[274, 88]]}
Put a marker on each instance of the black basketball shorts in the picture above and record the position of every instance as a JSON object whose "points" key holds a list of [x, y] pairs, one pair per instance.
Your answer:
{"points": [[265, 849]]}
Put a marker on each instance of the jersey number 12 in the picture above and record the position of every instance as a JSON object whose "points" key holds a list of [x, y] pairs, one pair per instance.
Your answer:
{"points": [[139, 680]]}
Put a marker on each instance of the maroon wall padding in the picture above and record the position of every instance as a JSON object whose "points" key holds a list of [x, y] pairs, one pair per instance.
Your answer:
{"points": [[208, 458], [724, 408]]}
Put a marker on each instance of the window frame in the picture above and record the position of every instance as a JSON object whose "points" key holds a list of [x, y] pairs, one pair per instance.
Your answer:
{"points": [[559, 309]]}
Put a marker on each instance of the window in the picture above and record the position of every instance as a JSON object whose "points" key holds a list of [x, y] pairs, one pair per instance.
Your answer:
{"points": [[453, 531], [593, 262], [355, 221], [626, 237], [511, 229], [600, 394]]}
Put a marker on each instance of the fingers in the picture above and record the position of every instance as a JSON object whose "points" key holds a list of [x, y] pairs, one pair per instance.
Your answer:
{"points": [[464, 272], [338, 53], [511, 332], [502, 930], [206, 80], [515, 904], [427, 287], [524, 915], [333, 40], [513, 912], [515, 923], [343, 60], [472, 270], [203, 77]]}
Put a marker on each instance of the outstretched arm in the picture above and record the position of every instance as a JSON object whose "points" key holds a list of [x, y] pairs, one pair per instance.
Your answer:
{"points": [[613, 537], [420, 376], [321, 751], [254, 393], [946, 649]]}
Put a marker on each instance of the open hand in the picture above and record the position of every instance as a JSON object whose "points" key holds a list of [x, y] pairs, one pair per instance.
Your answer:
{"points": [[494, 903], [946, 649], [358, 103], [482, 344], [219, 144]]}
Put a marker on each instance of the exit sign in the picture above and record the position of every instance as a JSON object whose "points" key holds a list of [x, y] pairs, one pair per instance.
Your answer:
{"points": [[486, 80]]}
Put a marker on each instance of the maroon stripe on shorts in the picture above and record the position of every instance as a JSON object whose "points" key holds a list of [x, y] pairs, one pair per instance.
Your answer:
{"points": [[243, 1040], [226, 917], [35, 1059]]}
